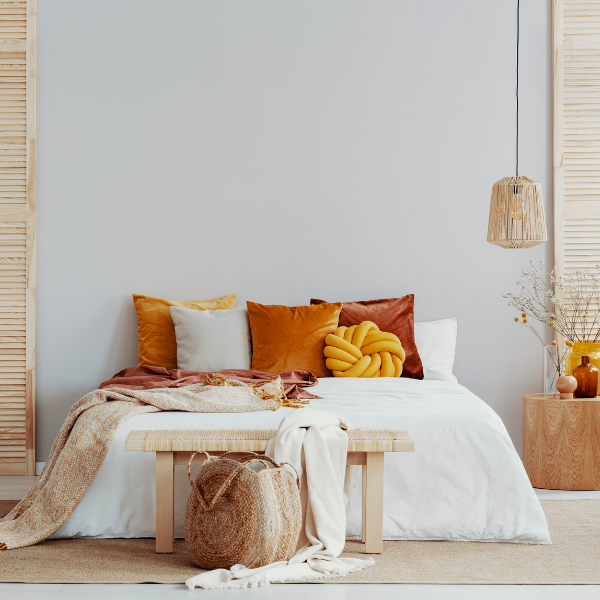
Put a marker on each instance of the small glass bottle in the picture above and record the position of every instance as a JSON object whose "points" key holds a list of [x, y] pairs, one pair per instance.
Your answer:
{"points": [[587, 379]]}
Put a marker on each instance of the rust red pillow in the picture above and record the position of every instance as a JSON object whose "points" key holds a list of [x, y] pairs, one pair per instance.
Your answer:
{"points": [[394, 315]]}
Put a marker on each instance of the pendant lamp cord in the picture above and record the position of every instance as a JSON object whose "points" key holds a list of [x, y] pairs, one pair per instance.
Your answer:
{"points": [[517, 91]]}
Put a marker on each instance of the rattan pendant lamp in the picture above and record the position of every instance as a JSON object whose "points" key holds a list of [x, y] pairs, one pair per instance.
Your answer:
{"points": [[517, 208]]}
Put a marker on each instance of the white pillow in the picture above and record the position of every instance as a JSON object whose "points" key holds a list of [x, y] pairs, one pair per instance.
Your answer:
{"points": [[212, 340], [436, 343]]}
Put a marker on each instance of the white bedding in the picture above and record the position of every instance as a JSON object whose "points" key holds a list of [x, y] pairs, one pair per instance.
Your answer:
{"points": [[464, 481]]}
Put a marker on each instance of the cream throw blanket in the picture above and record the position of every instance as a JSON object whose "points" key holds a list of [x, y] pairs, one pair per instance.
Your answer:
{"points": [[314, 443], [88, 431]]}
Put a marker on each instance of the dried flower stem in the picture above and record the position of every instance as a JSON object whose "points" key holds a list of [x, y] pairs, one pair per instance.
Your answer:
{"points": [[570, 305]]}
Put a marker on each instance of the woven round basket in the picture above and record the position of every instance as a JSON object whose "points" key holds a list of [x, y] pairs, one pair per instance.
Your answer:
{"points": [[238, 516]]}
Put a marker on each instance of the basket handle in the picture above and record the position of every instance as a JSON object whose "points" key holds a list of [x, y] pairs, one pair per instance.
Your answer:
{"points": [[228, 481], [192, 482], [231, 477], [294, 469], [272, 461]]}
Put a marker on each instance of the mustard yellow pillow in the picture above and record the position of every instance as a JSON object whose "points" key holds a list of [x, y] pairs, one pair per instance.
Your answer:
{"points": [[364, 351], [289, 338], [157, 344]]}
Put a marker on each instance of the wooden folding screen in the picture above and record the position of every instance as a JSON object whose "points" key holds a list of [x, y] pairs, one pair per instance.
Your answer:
{"points": [[17, 238], [576, 63]]}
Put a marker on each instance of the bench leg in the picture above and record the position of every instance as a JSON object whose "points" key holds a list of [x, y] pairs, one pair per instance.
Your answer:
{"points": [[165, 515], [364, 503], [373, 503]]}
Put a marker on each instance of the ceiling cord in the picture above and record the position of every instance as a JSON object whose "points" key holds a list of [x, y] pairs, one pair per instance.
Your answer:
{"points": [[517, 91]]}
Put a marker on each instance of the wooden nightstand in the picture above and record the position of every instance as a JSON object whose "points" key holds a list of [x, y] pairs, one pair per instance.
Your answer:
{"points": [[561, 442]]}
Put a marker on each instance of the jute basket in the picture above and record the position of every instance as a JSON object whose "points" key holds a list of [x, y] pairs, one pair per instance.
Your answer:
{"points": [[238, 516]]}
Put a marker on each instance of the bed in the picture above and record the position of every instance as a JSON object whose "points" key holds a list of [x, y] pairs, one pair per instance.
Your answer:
{"points": [[464, 482]]}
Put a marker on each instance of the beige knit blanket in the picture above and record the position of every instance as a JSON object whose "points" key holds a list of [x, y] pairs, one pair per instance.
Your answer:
{"points": [[88, 431]]}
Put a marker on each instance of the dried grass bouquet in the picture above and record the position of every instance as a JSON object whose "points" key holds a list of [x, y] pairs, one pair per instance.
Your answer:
{"points": [[569, 305]]}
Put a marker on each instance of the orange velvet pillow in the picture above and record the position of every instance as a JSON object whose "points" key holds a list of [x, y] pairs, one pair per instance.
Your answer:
{"points": [[289, 338], [157, 344]]}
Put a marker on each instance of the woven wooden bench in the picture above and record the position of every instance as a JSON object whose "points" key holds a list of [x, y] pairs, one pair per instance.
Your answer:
{"points": [[365, 448]]}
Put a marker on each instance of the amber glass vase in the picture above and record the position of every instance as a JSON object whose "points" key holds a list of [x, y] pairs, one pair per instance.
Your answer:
{"points": [[580, 349], [586, 375]]}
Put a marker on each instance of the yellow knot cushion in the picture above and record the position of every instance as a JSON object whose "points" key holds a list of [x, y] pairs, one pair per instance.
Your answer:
{"points": [[364, 351]]}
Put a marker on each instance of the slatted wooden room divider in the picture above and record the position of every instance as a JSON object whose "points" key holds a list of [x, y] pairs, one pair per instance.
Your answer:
{"points": [[576, 62], [17, 238]]}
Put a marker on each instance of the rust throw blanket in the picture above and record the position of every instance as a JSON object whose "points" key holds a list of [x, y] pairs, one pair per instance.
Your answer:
{"points": [[148, 378], [90, 426]]}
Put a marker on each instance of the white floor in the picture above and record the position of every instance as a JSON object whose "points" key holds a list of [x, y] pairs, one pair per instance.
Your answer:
{"points": [[301, 592], [14, 487], [564, 495]]}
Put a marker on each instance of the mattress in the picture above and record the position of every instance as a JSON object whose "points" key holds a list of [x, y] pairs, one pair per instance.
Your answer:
{"points": [[464, 482]]}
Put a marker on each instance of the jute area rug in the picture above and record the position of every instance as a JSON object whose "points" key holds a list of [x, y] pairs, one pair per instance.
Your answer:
{"points": [[574, 557]]}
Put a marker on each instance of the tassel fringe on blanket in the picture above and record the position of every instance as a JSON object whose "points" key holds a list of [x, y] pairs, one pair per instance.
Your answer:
{"points": [[239, 577]]}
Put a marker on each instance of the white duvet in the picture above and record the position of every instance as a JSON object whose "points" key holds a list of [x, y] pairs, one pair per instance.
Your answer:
{"points": [[464, 481]]}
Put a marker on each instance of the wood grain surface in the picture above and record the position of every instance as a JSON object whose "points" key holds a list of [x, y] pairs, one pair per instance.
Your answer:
{"points": [[561, 442]]}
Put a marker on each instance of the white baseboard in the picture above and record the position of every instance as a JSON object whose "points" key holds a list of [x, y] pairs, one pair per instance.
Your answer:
{"points": [[38, 467], [567, 494]]}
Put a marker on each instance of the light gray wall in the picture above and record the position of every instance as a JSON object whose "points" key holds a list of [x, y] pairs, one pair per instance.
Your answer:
{"points": [[282, 150]]}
